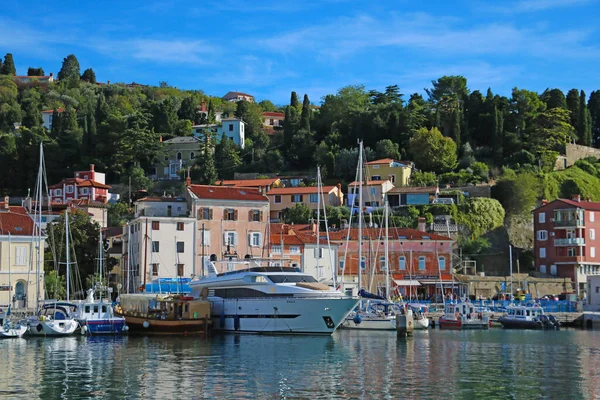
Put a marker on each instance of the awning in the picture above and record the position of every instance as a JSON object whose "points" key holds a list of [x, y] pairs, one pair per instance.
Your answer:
{"points": [[406, 282]]}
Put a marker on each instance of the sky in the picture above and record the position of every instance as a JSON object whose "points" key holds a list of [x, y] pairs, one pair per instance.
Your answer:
{"points": [[269, 48]]}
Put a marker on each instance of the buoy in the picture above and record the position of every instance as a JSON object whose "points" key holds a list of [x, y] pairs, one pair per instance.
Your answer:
{"points": [[146, 324], [125, 328], [357, 319], [236, 322]]}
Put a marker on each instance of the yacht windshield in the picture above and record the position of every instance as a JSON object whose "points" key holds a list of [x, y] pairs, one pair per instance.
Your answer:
{"points": [[291, 278]]}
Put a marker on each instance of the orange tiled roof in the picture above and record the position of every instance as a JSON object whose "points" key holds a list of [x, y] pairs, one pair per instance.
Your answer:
{"points": [[300, 190], [273, 114], [249, 182], [394, 233], [15, 223], [14, 209], [369, 183], [226, 193]]}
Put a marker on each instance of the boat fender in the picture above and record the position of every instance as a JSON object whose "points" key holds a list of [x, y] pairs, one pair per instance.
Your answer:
{"points": [[84, 329], [39, 327], [222, 319], [146, 324], [236, 322], [357, 319]]}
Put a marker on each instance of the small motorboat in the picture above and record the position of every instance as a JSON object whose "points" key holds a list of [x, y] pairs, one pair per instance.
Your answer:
{"points": [[462, 315], [529, 316]]}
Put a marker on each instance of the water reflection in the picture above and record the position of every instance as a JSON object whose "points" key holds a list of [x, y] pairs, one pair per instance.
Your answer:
{"points": [[349, 364]]}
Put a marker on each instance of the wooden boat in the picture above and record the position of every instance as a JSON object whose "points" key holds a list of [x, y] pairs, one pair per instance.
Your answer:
{"points": [[462, 315], [164, 314]]}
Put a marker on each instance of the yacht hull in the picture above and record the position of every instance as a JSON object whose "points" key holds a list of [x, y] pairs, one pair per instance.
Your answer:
{"points": [[12, 332], [53, 327], [286, 315], [459, 324], [366, 323], [105, 326], [421, 323]]}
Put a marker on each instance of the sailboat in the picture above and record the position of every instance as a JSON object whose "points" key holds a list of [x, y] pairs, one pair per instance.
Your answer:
{"points": [[54, 318]]}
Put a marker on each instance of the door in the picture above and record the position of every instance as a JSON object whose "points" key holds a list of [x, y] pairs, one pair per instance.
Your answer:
{"points": [[20, 294]]}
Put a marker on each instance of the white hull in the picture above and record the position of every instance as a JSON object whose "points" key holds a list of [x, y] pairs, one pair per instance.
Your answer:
{"points": [[52, 327], [421, 323], [12, 332], [374, 323], [291, 315]]}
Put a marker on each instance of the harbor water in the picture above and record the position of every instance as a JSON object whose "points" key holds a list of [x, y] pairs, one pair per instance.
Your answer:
{"points": [[495, 364]]}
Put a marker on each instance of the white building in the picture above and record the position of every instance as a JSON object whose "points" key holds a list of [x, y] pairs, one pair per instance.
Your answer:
{"points": [[233, 128], [593, 292], [156, 244], [47, 117], [322, 263]]}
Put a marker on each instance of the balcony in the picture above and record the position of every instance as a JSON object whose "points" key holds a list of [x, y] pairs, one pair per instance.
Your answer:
{"points": [[569, 223], [570, 242]]}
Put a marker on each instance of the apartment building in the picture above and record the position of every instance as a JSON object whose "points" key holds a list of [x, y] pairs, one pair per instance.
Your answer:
{"points": [[287, 197]]}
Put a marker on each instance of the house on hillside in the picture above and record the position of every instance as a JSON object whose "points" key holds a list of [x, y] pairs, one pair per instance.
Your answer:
{"points": [[30, 79], [389, 169], [203, 110], [287, 197], [84, 185], [180, 153], [238, 96], [18, 255], [272, 121], [373, 193], [264, 185], [47, 117], [412, 195], [566, 241], [233, 128]]}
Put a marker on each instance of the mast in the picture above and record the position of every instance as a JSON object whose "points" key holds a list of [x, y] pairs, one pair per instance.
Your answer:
{"points": [[9, 277], [387, 252], [68, 261], [360, 213], [318, 217], [38, 228], [100, 254]]}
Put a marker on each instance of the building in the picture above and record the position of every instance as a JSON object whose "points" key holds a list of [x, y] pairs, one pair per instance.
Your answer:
{"points": [[180, 153], [287, 197], [373, 193], [84, 185], [417, 260], [412, 195], [30, 79], [566, 241], [203, 110], [47, 117], [19, 258], [264, 185], [238, 96], [272, 121], [593, 292], [389, 169], [233, 128], [231, 222], [158, 242]]}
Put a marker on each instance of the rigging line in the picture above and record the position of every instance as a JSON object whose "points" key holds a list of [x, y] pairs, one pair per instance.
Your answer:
{"points": [[349, 227]]}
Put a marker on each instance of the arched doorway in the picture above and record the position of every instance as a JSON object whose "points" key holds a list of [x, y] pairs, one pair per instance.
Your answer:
{"points": [[20, 296]]}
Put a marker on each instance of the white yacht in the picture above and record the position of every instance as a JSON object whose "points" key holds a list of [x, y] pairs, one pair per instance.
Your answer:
{"points": [[273, 300], [54, 319]]}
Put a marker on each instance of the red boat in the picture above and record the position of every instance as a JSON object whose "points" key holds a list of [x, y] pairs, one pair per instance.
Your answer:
{"points": [[462, 315]]}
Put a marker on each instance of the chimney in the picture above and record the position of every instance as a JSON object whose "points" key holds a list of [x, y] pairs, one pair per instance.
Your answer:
{"points": [[421, 224], [92, 167], [544, 202], [203, 106], [576, 198], [6, 206], [160, 139], [340, 195], [51, 74]]}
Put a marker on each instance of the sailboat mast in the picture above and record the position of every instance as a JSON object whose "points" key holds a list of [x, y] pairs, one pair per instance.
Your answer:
{"points": [[100, 254], [68, 260], [38, 227], [360, 213], [9, 277], [318, 217], [387, 252]]}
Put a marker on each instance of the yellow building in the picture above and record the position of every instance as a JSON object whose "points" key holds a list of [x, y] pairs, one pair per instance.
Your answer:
{"points": [[180, 153], [18, 259], [287, 197], [389, 169]]}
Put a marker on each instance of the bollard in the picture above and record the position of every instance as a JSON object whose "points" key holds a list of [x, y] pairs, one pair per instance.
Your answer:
{"points": [[405, 324]]}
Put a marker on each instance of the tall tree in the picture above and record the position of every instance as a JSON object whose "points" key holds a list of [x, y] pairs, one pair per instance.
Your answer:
{"points": [[447, 97], [189, 108], [498, 135], [387, 149], [524, 106], [69, 71], [594, 108], [227, 158], [584, 130], [554, 98], [204, 171], [573, 106], [35, 71], [89, 76], [8, 68], [294, 100], [306, 114], [432, 151], [1, 65]]}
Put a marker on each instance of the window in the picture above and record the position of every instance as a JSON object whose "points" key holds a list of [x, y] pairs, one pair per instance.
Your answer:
{"points": [[591, 216], [571, 252], [542, 218], [155, 246], [392, 178], [271, 122], [294, 250], [255, 239], [442, 263], [179, 156], [542, 252], [592, 234], [230, 127], [69, 189], [363, 262], [342, 265], [553, 270], [21, 256], [375, 166], [313, 198], [192, 155], [296, 198], [376, 177], [58, 192], [230, 238], [276, 249], [373, 191], [320, 253], [180, 247], [402, 263], [382, 264], [230, 214], [543, 269], [206, 238], [421, 263], [179, 269], [592, 252], [180, 226], [155, 269], [542, 235], [255, 215], [84, 191], [277, 199], [155, 225], [205, 213]]}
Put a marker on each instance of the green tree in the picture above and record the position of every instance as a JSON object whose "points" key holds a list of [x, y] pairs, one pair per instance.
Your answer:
{"points": [[139, 180], [481, 215], [554, 98], [594, 108], [204, 171], [518, 194], [306, 114], [573, 103], [227, 158], [119, 213], [8, 67], [551, 131], [584, 130], [189, 109], [385, 148], [35, 71], [89, 76], [56, 285], [432, 151], [524, 106], [481, 171], [420, 178], [69, 72], [268, 106], [300, 213], [294, 100]]}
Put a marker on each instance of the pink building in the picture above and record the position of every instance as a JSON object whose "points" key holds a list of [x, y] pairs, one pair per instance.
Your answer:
{"points": [[84, 185]]}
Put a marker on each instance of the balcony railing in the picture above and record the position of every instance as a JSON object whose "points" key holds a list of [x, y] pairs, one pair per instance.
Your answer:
{"points": [[569, 223], [570, 242]]}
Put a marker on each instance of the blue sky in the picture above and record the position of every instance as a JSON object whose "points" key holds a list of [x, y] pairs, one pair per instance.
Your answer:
{"points": [[269, 48]]}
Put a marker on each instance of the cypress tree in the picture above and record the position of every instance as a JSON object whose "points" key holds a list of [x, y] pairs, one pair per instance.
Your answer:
{"points": [[211, 113], [573, 107], [1, 65], [89, 76], [584, 131], [594, 109], [456, 127], [227, 158], [8, 68], [294, 100], [205, 172], [306, 114], [70, 69], [497, 131], [35, 71]]}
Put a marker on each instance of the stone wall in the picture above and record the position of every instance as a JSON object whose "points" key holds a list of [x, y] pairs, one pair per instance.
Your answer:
{"points": [[488, 286], [574, 152]]}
